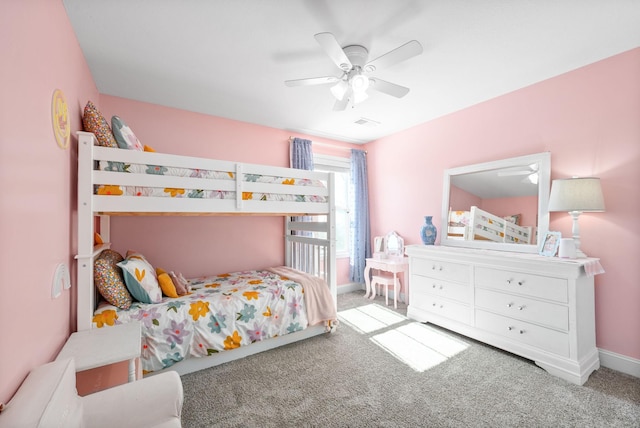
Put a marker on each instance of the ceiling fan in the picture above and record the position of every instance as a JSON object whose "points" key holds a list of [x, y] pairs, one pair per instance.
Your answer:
{"points": [[529, 171], [351, 87]]}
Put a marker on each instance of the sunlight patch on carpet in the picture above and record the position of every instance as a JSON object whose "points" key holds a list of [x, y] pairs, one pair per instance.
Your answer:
{"points": [[368, 318], [419, 346]]}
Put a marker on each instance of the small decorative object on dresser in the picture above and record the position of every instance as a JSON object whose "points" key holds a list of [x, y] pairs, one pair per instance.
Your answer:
{"points": [[536, 307], [549, 245], [428, 231]]}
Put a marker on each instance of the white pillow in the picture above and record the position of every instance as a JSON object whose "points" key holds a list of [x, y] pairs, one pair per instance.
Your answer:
{"points": [[140, 278]]}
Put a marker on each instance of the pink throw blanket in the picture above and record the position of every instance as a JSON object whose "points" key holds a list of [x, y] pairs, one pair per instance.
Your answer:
{"points": [[317, 296]]}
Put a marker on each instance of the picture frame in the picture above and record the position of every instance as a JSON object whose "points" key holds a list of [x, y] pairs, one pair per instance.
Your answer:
{"points": [[549, 245]]}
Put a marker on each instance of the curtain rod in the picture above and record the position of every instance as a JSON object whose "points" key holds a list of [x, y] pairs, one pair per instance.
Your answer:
{"points": [[333, 146]]}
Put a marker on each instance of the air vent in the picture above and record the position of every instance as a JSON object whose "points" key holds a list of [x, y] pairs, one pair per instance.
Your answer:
{"points": [[367, 122]]}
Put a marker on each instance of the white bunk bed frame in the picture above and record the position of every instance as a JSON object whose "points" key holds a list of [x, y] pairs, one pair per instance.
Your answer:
{"points": [[497, 229], [304, 252]]}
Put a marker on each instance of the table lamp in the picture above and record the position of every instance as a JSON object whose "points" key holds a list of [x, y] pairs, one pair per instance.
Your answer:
{"points": [[576, 195]]}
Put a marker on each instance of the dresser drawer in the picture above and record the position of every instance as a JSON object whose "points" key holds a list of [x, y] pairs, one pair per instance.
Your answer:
{"points": [[441, 288], [448, 271], [544, 287], [523, 308], [524, 332], [443, 307]]}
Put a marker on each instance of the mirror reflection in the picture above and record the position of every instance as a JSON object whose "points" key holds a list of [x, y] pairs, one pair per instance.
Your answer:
{"points": [[500, 204], [394, 245]]}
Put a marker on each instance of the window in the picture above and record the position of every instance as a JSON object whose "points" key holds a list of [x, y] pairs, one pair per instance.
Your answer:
{"points": [[342, 169]]}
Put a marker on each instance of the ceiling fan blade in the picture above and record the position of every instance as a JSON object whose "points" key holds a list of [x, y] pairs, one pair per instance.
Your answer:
{"points": [[388, 87], [402, 53], [331, 46], [342, 104], [312, 81], [518, 170], [510, 173]]}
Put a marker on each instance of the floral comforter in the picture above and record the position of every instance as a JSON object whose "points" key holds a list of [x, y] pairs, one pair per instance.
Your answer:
{"points": [[222, 312], [200, 193]]}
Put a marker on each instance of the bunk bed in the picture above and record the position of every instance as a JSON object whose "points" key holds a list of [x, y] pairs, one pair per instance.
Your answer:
{"points": [[483, 225], [113, 181]]}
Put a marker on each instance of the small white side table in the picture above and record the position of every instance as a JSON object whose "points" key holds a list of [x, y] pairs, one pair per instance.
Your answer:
{"points": [[103, 346]]}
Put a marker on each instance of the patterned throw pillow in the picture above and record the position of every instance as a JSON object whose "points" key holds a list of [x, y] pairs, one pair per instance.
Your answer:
{"points": [[140, 278], [93, 121], [125, 137], [107, 277]]}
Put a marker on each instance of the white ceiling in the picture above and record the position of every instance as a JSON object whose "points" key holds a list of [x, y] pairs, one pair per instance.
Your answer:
{"points": [[229, 58]]}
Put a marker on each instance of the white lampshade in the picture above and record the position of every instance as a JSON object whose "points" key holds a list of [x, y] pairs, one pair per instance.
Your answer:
{"points": [[359, 83], [583, 194], [358, 97], [339, 90]]}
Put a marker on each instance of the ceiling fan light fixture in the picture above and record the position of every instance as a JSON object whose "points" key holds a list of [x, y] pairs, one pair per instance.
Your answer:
{"points": [[339, 90], [359, 83], [359, 96]]}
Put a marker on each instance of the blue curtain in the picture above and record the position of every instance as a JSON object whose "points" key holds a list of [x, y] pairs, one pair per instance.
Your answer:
{"points": [[301, 154], [360, 227]]}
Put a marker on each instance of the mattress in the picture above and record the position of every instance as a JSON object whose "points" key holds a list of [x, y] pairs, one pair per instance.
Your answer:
{"points": [[222, 312], [174, 192]]}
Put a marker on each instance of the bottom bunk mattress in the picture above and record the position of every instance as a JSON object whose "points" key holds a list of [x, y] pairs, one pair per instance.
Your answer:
{"points": [[224, 312]]}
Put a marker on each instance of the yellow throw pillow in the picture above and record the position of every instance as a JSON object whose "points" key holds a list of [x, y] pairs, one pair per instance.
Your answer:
{"points": [[148, 149], [168, 289]]}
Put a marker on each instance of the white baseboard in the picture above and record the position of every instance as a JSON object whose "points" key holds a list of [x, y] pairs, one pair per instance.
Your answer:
{"points": [[618, 362], [348, 288]]}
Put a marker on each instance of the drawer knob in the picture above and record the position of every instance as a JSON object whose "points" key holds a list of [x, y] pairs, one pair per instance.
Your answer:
{"points": [[521, 307], [521, 331], [509, 305], [509, 328], [509, 281], [521, 282]]}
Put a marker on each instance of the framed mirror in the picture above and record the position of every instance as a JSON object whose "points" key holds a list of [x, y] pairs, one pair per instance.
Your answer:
{"points": [[394, 245], [500, 205]]}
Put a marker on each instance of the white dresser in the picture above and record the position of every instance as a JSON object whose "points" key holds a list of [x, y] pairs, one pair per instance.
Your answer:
{"points": [[540, 308]]}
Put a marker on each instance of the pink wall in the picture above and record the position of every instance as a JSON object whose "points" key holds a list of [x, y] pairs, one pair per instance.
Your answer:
{"points": [[461, 200], [223, 244], [589, 120], [526, 206], [39, 54]]}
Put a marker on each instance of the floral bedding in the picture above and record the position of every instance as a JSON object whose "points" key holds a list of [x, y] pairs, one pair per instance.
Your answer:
{"points": [[199, 193], [221, 313]]}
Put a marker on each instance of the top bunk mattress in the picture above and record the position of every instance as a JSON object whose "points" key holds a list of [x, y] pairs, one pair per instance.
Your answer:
{"points": [[173, 192], [131, 182]]}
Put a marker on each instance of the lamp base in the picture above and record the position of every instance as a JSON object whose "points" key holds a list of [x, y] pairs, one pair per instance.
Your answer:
{"points": [[580, 254]]}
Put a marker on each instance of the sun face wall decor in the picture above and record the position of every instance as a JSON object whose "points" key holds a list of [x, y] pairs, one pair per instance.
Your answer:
{"points": [[60, 119]]}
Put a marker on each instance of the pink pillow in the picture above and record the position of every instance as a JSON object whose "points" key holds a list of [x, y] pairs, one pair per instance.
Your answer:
{"points": [[181, 284]]}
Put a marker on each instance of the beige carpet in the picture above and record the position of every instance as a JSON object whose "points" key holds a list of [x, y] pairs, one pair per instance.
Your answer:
{"points": [[347, 379]]}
